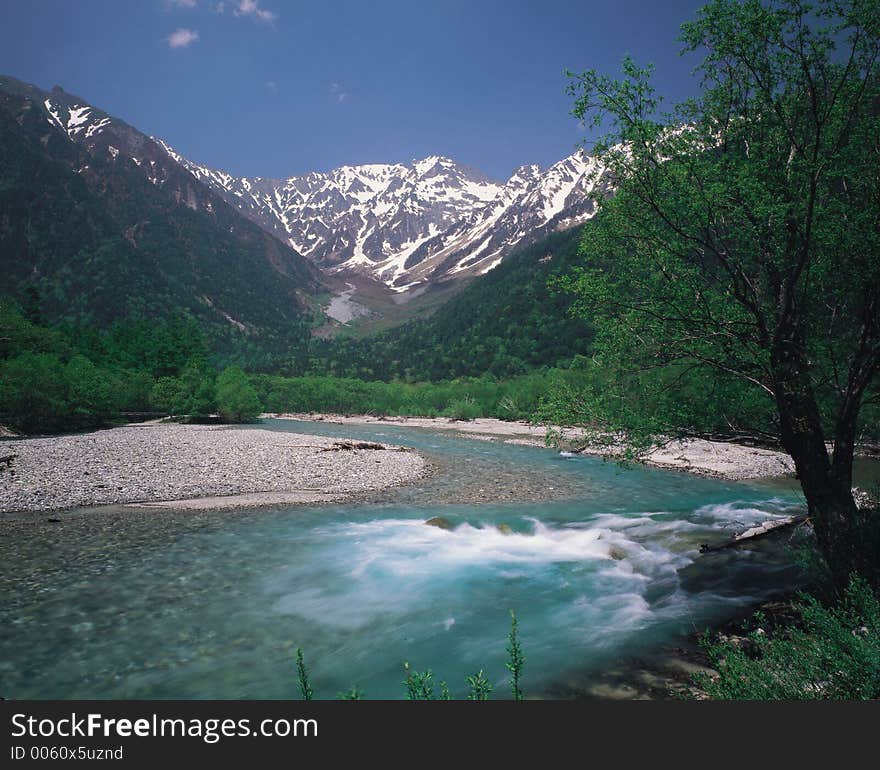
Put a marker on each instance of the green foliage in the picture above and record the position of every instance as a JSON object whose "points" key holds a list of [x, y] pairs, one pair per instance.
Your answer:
{"points": [[33, 392], [832, 654], [192, 393], [302, 676], [74, 377], [88, 239], [161, 348], [737, 267], [505, 323], [687, 259], [478, 686], [46, 386], [163, 367], [515, 658], [606, 392], [197, 388], [237, 400], [92, 393], [517, 398], [165, 395], [419, 685], [18, 334], [463, 409]]}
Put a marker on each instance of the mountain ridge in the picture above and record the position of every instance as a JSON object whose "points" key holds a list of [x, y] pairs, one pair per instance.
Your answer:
{"points": [[396, 230], [408, 225], [105, 226]]}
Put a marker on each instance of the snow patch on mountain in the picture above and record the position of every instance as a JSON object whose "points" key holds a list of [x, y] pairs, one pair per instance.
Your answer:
{"points": [[404, 224], [409, 224], [77, 120]]}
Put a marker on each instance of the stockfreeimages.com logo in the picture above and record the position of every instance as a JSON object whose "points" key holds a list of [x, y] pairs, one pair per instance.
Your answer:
{"points": [[154, 726]]}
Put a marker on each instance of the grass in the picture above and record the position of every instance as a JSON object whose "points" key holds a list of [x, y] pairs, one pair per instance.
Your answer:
{"points": [[419, 685], [830, 652]]}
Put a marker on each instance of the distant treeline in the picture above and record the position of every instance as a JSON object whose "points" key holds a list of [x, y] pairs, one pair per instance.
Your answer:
{"points": [[63, 378], [497, 349], [517, 398]]}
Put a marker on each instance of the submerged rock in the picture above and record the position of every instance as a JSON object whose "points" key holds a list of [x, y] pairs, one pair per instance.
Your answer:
{"points": [[439, 522], [863, 499], [505, 529]]}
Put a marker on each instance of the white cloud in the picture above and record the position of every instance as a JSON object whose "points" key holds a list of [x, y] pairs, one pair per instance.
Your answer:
{"points": [[184, 3], [182, 38], [220, 7], [339, 92], [252, 8]]}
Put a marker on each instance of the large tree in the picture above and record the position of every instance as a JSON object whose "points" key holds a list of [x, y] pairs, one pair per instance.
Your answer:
{"points": [[743, 238]]}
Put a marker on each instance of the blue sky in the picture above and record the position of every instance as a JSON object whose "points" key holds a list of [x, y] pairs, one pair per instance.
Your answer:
{"points": [[277, 88]]}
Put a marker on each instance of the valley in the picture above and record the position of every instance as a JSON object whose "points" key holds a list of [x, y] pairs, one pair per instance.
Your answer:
{"points": [[366, 337]]}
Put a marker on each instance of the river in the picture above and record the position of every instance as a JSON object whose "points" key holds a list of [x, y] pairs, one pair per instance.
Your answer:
{"points": [[599, 562]]}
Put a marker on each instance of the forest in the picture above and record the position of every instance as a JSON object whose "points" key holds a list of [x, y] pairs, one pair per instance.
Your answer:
{"points": [[728, 289]]}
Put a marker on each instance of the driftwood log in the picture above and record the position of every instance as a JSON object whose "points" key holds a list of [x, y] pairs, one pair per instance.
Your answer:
{"points": [[755, 532], [339, 446]]}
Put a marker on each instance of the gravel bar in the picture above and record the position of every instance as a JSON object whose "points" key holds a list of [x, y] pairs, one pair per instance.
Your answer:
{"points": [[716, 459], [169, 462]]}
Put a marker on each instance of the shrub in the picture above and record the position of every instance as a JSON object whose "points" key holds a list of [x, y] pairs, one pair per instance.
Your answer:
{"points": [[834, 654], [478, 686], [236, 398], [465, 408], [34, 392], [420, 684]]}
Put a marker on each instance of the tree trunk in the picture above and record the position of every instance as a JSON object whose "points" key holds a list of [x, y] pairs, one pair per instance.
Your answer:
{"points": [[826, 485]]}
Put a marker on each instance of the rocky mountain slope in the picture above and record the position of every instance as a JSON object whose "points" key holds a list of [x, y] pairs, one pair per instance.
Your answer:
{"points": [[107, 222], [411, 225], [102, 224]]}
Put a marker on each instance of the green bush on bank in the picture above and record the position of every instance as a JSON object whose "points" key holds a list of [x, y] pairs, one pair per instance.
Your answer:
{"points": [[832, 654], [40, 392], [62, 379], [237, 401]]}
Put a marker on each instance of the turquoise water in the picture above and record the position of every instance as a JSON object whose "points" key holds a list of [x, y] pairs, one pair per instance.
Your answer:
{"points": [[607, 567]]}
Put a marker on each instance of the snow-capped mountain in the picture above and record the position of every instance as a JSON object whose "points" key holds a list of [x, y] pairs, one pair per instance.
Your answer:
{"points": [[406, 225], [531, 204], [103, 135], [409, 224], [99, 213]]}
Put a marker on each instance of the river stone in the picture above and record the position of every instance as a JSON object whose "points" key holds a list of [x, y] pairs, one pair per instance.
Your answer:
{"points": [[439, 522], [618, 554], [505, 529]]}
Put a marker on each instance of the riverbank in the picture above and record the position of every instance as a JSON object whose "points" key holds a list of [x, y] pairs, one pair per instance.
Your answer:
{"points": [[715, 459], [204, 603], [669, 672], [194, 467]]}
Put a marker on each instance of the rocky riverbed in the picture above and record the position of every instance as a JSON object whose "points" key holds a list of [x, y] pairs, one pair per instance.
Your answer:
{"points": [[194, 466], [715, 459]]}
